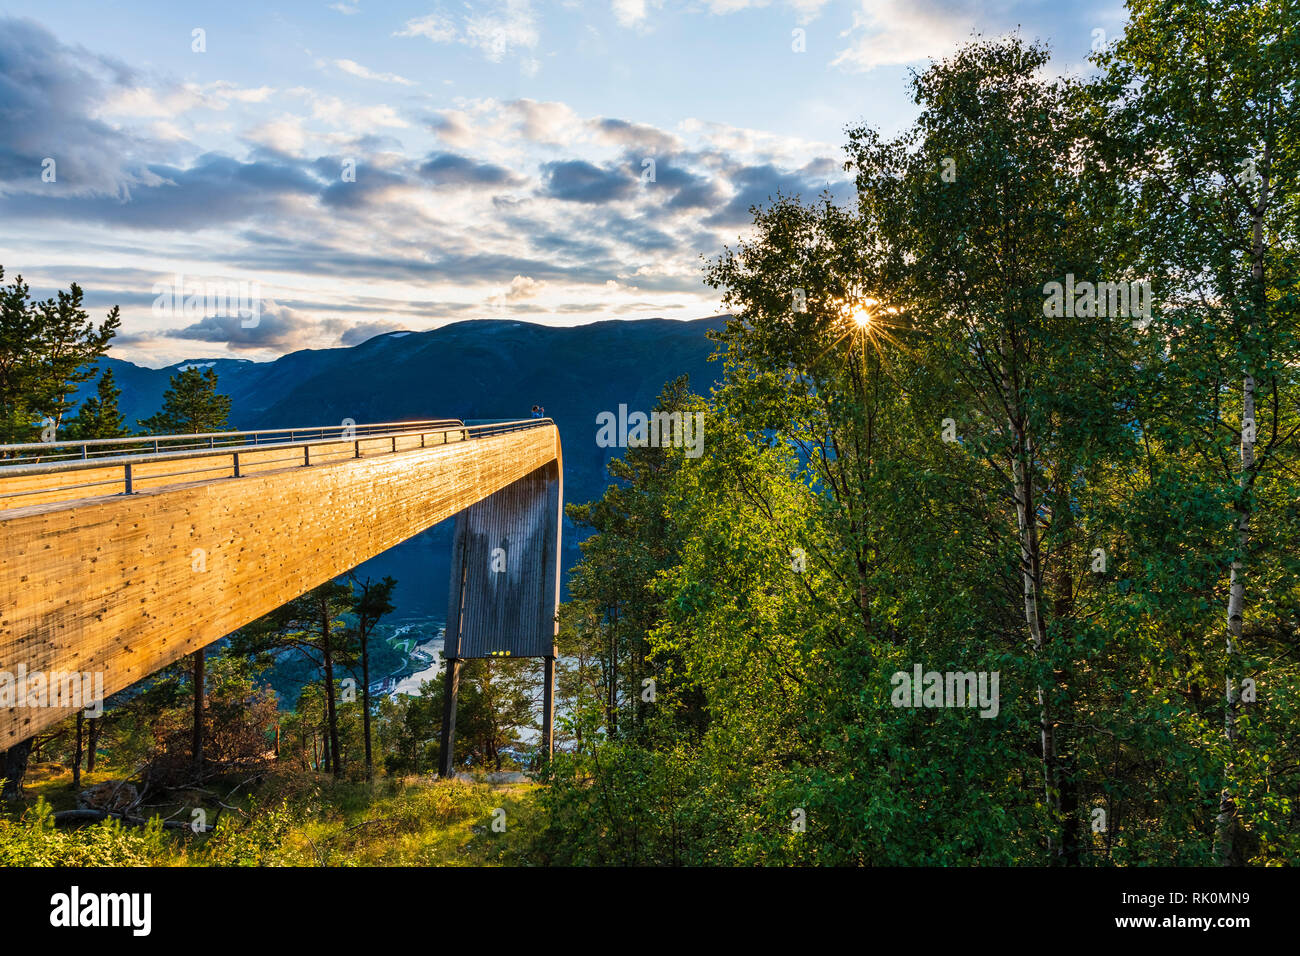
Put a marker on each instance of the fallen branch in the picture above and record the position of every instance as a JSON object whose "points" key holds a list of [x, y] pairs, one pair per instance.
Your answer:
{"points": [[78, 817]]}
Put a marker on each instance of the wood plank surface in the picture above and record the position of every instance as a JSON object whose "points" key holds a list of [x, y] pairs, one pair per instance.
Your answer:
{"points": [[124, 585]]}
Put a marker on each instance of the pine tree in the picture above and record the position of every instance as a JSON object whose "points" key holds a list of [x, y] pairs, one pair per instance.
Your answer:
{"points": [[191, 406], [99, 416], [47, 349]]}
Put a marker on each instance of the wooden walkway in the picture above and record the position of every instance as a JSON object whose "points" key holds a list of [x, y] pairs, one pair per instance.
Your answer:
{"points": [[120, 560]]}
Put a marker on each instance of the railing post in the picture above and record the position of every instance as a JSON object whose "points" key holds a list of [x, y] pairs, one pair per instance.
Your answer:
{"points": [[306, 455], [235, 455], [85, 452], [130, 485], [394, 443]]}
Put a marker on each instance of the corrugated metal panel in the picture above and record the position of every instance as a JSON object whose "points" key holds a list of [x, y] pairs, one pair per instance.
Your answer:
{"points": [[505, 572]]}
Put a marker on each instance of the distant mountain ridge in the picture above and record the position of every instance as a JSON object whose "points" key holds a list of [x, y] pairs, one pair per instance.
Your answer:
{"points": [[477, 369]]}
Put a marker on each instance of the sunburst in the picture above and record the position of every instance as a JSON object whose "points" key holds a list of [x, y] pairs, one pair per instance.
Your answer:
{"points": [[866, 322]]}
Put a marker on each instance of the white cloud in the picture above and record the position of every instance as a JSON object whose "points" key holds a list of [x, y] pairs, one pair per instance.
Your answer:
{"points": [[629, 13], [507, 28], [894, 32], [356, 69], [511, 27], [545, 122], [169, 102], [805, 10], [435, 27], [285, 134], [520, 289], [363, 119]]}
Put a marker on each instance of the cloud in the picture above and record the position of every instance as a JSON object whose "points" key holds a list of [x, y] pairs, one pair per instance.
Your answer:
{"points": [[451, 169], [365, 331], [170, 100], [434, 27], [453, 128], [523, 287], [759, 184], [215, 189], [629, 13], [372, 186], [49, 99], [577, 180], [544, 122], [286, 134], [522, 204], [356, 69], [896, 32], [341, 114], [278, 327], [507, 29], [649, 139]]}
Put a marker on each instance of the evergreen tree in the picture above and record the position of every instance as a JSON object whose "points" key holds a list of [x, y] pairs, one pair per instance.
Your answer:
{"points": [[98, 416], [191, 405], [47, 349]]}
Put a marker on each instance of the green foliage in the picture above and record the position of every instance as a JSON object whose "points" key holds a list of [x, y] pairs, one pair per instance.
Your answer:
{"points": [[33, 840], [912, 462], [98, 415], [47, 349], [191, 405]]}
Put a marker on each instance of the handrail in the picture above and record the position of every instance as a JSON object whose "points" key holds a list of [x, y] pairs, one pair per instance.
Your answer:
{"points": [[208, 439], [351, 434]]}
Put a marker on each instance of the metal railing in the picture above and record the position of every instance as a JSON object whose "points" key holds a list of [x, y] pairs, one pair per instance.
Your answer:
{"points": [[33, 452], [33, 459]]}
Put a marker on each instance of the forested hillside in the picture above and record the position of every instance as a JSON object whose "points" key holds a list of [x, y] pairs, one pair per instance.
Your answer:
{"points": [[921, 463]]}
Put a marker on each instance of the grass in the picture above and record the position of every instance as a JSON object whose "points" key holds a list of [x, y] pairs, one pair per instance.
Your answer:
{"points": [[289, 818]]}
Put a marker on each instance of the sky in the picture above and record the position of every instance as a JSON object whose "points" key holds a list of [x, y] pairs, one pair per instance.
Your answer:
{"points": [[362, 167]]}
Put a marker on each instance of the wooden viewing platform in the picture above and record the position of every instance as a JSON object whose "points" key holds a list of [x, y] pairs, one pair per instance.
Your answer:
{"points": [[122, 556]]}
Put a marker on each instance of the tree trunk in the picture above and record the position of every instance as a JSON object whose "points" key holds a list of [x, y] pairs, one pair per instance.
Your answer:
{"points": [[196, 745], [365, 702], [1227, 824], [93, 744], [611, 708], [13, 768], [1063, 614], [1030, 570], [76, 752], [331, 716]]}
